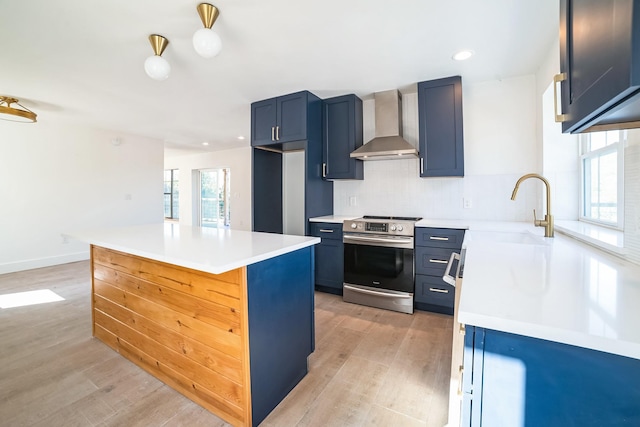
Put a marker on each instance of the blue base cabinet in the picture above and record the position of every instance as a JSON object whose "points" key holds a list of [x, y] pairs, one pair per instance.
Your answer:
{"points": [[433, 248], [518, 381], [329, 257]]}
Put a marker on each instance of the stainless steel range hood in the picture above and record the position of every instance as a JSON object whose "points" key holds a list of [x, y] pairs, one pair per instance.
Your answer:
{"points": [[388, 143]]}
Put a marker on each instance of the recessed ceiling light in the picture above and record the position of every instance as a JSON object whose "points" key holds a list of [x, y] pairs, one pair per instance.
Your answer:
{"points": [[462, 55], [205, 143], [241, 137]]}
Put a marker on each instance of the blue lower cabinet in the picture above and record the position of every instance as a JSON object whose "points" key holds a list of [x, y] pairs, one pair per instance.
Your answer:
{"points": [[518, 381], [329, 256], [433, 294]]}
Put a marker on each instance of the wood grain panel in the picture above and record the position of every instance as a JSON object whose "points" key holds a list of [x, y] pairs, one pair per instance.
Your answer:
{"points": [[221, 339], [197, 283], [188, 328], [223, 316], [212, 358], [176, 380]]}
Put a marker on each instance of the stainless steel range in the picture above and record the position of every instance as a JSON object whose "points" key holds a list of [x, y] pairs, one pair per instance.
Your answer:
{"points": [[378, 262]]}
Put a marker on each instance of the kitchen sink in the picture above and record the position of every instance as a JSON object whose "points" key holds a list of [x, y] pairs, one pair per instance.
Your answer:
{"points": [[522, 238]]}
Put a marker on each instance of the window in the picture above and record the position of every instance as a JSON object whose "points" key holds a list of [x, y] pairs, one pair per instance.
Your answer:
{"points": [[602, 177], [171, 194], [214, 190]]}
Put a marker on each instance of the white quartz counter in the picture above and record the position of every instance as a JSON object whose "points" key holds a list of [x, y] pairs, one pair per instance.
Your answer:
{"points": [[211, 250], [337, 219], [556, 289]]}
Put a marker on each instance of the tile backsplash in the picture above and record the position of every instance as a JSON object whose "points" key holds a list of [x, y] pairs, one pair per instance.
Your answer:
{"points": [[393, 187]]}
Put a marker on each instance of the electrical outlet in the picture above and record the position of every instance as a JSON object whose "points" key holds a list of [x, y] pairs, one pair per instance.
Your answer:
{"points": [[352, 201], [65, 239], [467, 203]]}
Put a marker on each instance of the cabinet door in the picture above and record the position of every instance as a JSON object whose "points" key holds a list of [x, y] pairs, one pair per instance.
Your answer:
{"points": [[342, 133], [595, 53], [263, 122], [292, 118], [433, 291], [440, 126], [330, 264], [432, 261], [439, 237]]}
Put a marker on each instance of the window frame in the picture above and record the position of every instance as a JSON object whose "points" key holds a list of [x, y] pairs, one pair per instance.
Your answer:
{"points": [[175, 181], [618, 148]]}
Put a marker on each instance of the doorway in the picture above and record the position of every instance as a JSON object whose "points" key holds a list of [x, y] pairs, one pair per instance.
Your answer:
{"points": [[213, 201]]}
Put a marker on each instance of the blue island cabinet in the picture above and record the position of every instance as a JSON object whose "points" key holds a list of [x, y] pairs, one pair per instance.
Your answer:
{"points": [[516, 381]]}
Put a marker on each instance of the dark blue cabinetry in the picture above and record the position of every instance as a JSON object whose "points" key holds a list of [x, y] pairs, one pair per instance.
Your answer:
{"points": [[279, 120], [342, 133], [433, 248], [599, 62], [441, 142], [329, 257], [518, 381], [298, 126]]}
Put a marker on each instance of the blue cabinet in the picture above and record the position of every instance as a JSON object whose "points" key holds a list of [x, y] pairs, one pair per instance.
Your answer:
{"points": [[433, 248], [441, 142], [517, 381], [599, 55], [341, 133], [329, 260], [279, 120], [298, 126]]}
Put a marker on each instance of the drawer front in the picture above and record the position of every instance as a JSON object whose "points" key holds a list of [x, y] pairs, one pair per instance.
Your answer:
{"points": [[326, 230], [432, 261], [439, 237], [433, 290]]}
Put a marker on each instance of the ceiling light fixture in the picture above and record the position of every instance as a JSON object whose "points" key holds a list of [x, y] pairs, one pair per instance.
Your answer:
{"points": [[207, 42], [156, 66], [22, 114], [462, 55]]}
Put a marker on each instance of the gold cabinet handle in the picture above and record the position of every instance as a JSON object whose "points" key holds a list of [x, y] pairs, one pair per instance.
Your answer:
{"points": [[461, 330], [557, 79], [460, 372]]}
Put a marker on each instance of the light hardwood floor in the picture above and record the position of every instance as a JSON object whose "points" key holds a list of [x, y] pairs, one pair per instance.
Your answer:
{"points": [[371, 367]]}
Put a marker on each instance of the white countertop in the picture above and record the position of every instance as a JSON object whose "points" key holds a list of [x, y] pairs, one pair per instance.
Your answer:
{"points": [[337, 219], [556, 289], [211, 250]]}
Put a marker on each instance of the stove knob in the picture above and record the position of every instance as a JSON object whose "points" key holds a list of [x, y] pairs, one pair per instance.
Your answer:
{"points": [[393, 227], [399, 228], [354, 225]]}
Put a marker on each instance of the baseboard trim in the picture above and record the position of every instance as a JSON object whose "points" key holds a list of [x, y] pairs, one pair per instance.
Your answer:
{"points": [[30, 264]]}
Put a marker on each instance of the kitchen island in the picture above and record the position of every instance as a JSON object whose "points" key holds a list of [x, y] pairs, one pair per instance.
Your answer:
{"points": [[225, 317], [550, 331]]}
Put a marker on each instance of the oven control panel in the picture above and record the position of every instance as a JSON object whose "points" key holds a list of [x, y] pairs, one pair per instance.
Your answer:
{"points": [[400, 228]]}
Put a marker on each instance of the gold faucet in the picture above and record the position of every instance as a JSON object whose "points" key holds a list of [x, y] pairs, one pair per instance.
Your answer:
{"points": [[547, 223]]}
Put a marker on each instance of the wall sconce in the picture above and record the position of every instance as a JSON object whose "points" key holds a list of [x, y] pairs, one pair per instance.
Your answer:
{"points": [[13, 114], [207, 42], [156, 66]]}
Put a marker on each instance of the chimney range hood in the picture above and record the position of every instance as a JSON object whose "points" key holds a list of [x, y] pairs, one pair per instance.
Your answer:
{"points": [[388, 143]]}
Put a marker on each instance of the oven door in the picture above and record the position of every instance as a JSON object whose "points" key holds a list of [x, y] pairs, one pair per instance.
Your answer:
{"points": [[382, 262]]}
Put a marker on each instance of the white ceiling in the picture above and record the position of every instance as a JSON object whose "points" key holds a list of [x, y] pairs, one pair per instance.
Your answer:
{"points": [[82, 61]]}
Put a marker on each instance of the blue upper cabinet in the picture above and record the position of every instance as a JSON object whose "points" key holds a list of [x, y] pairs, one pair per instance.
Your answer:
{"points": [[441, 143], [341, 134], [279, 120], [599, 64]]}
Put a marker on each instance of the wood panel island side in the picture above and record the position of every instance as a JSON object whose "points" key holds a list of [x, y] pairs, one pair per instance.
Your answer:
{"points": [[224, 317]]}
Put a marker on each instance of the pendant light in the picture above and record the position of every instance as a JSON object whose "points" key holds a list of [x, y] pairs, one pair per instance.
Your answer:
{"points": [[207, 42], [13, 114], [156, 66]]}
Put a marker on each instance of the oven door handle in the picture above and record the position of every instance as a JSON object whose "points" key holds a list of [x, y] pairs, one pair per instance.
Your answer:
{"points": [[448, 278], [357, 239], [380, 294]]}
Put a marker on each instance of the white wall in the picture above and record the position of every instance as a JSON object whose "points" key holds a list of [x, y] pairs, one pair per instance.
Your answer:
{"points": [[239, 162], [56, 179], [293, 180], [501, 143]]}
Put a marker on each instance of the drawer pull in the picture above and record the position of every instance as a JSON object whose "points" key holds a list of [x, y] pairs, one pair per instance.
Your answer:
{"points": [[438, 261], [460, 373], [442, 291], [444, 239], [324, 230]]}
